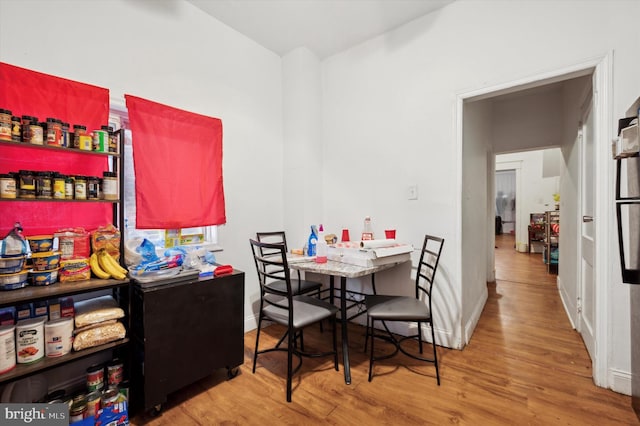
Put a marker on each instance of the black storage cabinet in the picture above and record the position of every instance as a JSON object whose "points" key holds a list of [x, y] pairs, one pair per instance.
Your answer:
{"points": [[183, 331]]}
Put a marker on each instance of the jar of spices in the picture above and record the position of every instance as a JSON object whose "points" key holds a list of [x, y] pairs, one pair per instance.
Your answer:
{"points": [[5, 124], [27, 184], [37, 133], [54, 131], [27, 120], [113, 139], [80, 188], [16, 129], [109, 186], [7, 186], [44, 188], [69, 188], [58, 186], [78, 130], [66, 137], [93, 188]]}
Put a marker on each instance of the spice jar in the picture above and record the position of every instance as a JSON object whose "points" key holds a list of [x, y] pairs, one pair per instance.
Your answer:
{"points": [[5, 124], [66, 135], [7, 186], [109, 186], [27, 120], [27, 184], [16, 129], [93, 188], [37, 133], [54, 131], [44, 188], [113, 138], [78, 130], [69, 188], [58, 186], [80, 188]]}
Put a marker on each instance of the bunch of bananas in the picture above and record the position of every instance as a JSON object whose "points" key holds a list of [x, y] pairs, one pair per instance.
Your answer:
{"points": [[104, 266]]}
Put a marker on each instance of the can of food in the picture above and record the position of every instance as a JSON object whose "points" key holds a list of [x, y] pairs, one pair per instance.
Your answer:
{"points": [[16, 129], [78, 410], [85, 142], [100, 141], [109, 186], [95, 378], [123, 389], [30, 340], [109, 397], [7, 348], [93, 403], [5, 124], [115, 371], [8, 186]]}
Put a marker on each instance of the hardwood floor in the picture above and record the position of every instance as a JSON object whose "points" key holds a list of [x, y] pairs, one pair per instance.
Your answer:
{"points": [[524, 365]]}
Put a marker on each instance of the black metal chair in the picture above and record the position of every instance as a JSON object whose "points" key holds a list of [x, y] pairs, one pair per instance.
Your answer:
{"points": [[298, 285], [407, 308], [294, 311]]}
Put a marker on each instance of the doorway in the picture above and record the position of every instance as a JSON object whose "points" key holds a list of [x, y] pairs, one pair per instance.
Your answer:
{"points": [[505, 201], [482, 126]]}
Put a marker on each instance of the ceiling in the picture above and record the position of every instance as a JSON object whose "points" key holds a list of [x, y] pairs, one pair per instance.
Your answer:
{"points": [[325, 27]]}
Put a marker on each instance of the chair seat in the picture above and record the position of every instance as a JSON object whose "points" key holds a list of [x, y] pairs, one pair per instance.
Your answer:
{"points": [[306, 310], [297, 286], [396, 308]]}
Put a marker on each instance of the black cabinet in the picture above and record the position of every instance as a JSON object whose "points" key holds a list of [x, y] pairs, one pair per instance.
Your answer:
{"points": [[183, 331]]}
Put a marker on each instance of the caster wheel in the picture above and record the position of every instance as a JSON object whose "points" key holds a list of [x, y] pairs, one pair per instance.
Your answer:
{"points": [[232, 372], [156, 410]]}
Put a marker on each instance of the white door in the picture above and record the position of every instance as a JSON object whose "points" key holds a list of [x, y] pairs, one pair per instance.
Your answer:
{"points": [[586, 291]]}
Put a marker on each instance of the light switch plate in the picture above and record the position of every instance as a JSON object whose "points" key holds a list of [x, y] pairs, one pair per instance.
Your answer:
{"points": [[412, 192]]}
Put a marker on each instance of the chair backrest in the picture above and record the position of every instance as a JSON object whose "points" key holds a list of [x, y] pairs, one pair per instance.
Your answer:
{"points": [[271, 265], [273, 237], [428, 265]]}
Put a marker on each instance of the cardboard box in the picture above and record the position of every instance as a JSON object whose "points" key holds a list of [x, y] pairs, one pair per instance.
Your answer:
{"points": [[354, 255]]}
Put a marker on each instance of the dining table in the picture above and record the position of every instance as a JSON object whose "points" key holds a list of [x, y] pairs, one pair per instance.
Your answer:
{"points": [[334, 268]]}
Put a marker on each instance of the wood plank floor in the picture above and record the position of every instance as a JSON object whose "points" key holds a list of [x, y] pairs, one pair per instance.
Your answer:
{"points": [[525, 365]]}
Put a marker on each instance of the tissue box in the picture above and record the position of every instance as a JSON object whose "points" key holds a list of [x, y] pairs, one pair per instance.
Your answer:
{"points": [[351, 253]]}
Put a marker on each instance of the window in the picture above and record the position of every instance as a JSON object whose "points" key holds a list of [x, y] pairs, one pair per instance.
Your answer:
{"points": [[161, 238]]}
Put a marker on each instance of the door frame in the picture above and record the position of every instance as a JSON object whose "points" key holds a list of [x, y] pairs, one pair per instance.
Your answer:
{"points": [[602, 69]]}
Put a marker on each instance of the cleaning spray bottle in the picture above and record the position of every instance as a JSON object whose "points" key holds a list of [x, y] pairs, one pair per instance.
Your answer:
{"points": [[313, 240]]}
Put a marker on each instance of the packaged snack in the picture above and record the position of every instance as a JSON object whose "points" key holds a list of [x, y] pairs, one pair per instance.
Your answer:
{"points": [[74, 270], [108, 238]]}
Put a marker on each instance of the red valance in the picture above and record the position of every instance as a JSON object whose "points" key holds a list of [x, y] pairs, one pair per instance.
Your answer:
{"points": [[26, 92], [177, 159]]}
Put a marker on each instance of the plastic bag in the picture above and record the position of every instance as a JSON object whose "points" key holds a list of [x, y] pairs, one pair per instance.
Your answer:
{"points": [[108, 238], [14, 243]]}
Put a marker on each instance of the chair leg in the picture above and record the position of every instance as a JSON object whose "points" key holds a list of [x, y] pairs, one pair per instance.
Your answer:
{"points": [[435, 353], [255, 352], [335, 343], [371, 356], [366, 335], [420, 336], [290, 362]]}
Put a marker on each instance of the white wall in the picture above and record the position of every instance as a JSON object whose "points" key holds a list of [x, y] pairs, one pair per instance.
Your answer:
{"points": [[390, 108]]}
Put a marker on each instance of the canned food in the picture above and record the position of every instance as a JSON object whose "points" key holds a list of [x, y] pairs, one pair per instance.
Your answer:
{"points": [[95, 378], [78, 410], [123, 388], [100, 141], [93, 403], [115, 371], [69, 188], [109, 397]]}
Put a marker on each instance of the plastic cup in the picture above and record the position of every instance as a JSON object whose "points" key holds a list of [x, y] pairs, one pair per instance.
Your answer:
{"points": [[390, 234], [345, 235]]}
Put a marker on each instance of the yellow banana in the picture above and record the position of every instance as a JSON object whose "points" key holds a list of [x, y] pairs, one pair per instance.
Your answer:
{"points": [[96, 269], [107, 264], [115, 263]]}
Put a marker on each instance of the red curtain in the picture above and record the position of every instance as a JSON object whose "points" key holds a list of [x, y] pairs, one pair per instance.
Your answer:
{"points": [[177, 159], [27, 92]]}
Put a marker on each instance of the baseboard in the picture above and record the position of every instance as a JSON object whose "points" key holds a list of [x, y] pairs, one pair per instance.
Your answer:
{"points": [[473, 319], [564, 298], [620, 381]]}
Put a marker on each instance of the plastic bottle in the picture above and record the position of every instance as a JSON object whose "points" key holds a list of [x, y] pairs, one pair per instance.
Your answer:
{"points": [[367, 231], [321, 248], [313, 240]]}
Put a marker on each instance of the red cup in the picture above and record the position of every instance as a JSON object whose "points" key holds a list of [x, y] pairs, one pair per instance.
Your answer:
{"points": [[345, 235], [390, 234]]}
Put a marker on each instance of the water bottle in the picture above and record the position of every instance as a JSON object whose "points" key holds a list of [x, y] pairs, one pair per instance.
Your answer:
{"points": [[367, 231], [321, 247], [313, 240]]}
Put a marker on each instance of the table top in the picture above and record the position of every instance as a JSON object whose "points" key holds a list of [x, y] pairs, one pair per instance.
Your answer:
{"points": [[332, 267]]}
